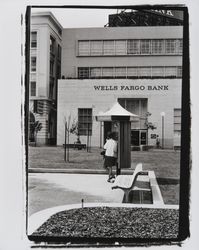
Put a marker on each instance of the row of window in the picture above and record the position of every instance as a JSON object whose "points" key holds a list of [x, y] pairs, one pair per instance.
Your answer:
{"points": [[130, 47], [129, 72]]}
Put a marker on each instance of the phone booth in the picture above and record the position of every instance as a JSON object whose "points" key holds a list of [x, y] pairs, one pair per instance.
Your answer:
{"points": [[123, 118]]}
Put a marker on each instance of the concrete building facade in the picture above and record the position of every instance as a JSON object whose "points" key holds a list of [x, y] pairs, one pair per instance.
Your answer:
{"points": [[140, 67], [45, 69]]}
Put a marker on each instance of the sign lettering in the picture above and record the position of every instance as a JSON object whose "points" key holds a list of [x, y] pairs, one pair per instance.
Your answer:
{"points": [[131, 87], [165, 12]]}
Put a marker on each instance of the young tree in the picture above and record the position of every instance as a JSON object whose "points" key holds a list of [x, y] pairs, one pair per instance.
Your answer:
{"points": [[35, 127], [70, 128], [149, 125]]}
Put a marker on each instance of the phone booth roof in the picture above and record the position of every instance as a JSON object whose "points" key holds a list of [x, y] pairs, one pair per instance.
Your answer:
{"points": [[117, 113]]}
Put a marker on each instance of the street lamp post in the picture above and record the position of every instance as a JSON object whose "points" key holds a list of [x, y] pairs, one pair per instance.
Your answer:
{"points": [[162, 116]]}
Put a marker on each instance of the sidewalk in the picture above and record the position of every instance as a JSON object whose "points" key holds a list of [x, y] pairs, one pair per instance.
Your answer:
{"points": [[48, 190], [46, 165]]}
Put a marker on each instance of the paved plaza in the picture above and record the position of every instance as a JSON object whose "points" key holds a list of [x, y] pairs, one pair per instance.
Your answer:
{"points": [[49, 190], [55, 189], [55, 185]]}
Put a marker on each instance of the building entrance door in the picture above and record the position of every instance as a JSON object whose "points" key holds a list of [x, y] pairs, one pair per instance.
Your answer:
{"points": [[138, 137], [135, 141]]}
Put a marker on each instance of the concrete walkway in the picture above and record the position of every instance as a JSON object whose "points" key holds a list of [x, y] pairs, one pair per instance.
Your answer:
{"points": [[46, 190]]}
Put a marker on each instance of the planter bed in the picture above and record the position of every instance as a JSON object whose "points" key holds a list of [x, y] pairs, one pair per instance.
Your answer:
{"points": [[112, 222]]}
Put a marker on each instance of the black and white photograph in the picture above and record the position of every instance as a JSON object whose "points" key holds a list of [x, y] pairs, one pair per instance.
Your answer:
{"points": [[105, 122], [104, 129]]}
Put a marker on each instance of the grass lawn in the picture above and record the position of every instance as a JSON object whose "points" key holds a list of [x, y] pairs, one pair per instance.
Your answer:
{"points": [[165, 163]]}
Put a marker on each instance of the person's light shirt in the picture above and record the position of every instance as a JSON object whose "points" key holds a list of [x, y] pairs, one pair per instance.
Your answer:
{"points": [[111, 148]]}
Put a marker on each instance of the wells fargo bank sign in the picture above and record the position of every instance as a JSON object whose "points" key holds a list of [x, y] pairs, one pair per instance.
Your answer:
{"points": [[131, 87]]}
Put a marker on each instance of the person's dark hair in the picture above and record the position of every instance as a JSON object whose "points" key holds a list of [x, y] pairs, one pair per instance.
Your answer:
{"points": [[111, 135], [108, 135]]}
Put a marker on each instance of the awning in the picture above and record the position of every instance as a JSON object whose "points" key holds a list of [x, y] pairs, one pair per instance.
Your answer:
{"points": [[117, 113]]}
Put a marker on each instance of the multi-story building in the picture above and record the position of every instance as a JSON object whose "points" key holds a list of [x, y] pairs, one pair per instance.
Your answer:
{"points": [[140, 67], [45, 69]]}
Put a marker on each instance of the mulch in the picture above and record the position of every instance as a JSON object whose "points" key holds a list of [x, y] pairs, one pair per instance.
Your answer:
{"points": [[109, 222]]}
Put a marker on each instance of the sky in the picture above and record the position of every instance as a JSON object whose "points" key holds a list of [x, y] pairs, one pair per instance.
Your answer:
{"points": [[83, 17], [79, 18]]}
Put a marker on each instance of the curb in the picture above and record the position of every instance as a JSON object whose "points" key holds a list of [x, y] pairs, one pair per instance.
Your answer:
{"points": [[76, 171]]}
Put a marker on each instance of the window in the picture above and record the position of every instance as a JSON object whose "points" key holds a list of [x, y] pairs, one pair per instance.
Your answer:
{"points": [[32, 88], [51, 67], [170, 46], [58, 73], [51, 89], [35, 106], [38, 106], [177, 120], [132, 72], [120, 72], [145, 47], [84, 48], [179, 72], [85, 121], [158, 72], [107, 72], [176, 128], [109, 48], [59, 52], [157, 46], [120, 47], [179, 46], [144, 72], [170, 72], [52, 45], [96, 48], [83, 72], [133, 47], [33, 77], [34, 39], [33, 64], [95, 73]]}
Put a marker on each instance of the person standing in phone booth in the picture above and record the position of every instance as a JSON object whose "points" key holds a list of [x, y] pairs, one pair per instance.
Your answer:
{"points": [[110, 158]]}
